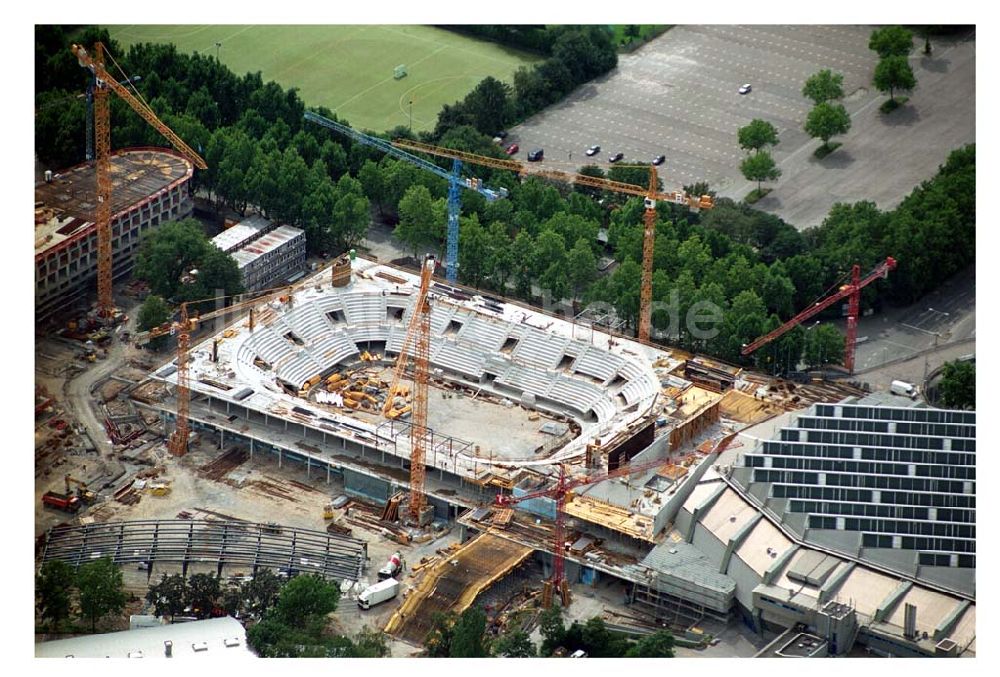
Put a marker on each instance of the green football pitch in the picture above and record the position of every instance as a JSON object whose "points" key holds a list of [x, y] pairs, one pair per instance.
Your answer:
{"points": [[349, 69]]}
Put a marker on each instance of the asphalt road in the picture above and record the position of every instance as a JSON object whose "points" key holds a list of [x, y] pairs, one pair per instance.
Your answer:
{"points": [[678, 96], [944, 316]]}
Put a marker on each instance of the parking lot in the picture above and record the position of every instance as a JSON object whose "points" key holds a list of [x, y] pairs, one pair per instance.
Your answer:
{"points": [[678, 96]]}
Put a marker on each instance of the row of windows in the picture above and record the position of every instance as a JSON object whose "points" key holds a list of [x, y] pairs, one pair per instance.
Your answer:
{"points": [[863, 481], [869, 467], [918, 543], [931, 559], [902, 427], [796, 448], [862, 509], [862, 439], [888, 526], [937, 429], [911, 483], [898, 413], [958, 501]]}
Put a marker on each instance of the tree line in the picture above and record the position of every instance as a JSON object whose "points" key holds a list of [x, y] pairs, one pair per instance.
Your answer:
{"points": [[756, 268]]}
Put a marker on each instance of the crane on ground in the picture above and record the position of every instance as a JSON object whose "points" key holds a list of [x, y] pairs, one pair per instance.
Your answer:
{"points": [[454, 179], [102, 143], [182, 328], [650, 194], [418, 343], [851, 291], [561, 492]]}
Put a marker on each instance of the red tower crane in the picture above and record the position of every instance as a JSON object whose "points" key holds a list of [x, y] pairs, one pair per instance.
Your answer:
{"points": [[851, 290], [561, 492]]}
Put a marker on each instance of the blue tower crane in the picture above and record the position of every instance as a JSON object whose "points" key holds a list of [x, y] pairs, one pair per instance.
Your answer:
{"points": [[454, 179]]}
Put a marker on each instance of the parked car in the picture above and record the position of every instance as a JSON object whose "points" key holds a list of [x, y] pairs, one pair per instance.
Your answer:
{"points": [[513, 148], [593, 150], [536, 155], [501, 135], [658, 160], [745, 89], [616, 157]]}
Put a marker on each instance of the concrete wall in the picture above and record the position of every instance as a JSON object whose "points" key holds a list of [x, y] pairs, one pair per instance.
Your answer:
{"points": [[746, 580], [711, 546]]}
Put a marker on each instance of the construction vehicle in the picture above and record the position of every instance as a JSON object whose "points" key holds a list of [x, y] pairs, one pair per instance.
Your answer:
{"points": [[158, 488], [561, 492], [651, 194], [82, 492], [454, 179], [328, 511], [392, 568], [850, 291], [102, 143], [378, 593], [66, 502]]}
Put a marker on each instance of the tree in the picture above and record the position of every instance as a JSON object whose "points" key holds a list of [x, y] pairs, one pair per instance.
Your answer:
{"points": [[891, 41], [514, 644], [894, 73], [958, 385], [373, 180], [153, 313], [261, 592], [582, 266], [306, 598], [467, 634], [416, 216], [760, 167], [351, 214], [826, 120], [169, 252], [169, 596], [203, 594], [489, 105], [53, 586], [474, 254], [553, 631], [824, 86], [101, 590], [370, 643], [632, 31], [438, 641], [823, 345], [660, 644], [757, 134]]}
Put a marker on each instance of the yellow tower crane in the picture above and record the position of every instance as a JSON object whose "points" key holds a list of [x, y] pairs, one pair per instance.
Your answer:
{"points": [[102, 144], [417, 342]]}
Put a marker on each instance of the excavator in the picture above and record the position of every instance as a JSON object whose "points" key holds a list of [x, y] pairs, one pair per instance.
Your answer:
{"points": [[83, 493]]}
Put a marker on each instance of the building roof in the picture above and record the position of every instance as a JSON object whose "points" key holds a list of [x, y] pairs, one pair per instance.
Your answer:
{"points": [[894, 485], [241, 233], [65, 208], [265, 244], [212, 638]]}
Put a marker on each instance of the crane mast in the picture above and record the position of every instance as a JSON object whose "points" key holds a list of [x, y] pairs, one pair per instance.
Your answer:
{"points": [[651, 195], [417, 340], [852, 292], [102, 146]]}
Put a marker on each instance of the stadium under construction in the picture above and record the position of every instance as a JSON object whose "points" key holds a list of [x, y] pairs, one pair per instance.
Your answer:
{"points": [[706, 531]]}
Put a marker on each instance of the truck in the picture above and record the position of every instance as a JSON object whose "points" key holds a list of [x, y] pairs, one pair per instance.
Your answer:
{"points": [[392, 568], [64, 502], [902, 388], [378, 593]]}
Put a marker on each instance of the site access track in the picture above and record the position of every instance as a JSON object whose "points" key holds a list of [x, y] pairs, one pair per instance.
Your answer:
{"points": [[454, 583]]}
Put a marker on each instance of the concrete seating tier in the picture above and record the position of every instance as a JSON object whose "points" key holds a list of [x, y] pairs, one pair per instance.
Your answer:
{"points": [[485, 334], [364, 309], [574, 393], [540, 349], [598, 363], [455, 357], [528, 380]]}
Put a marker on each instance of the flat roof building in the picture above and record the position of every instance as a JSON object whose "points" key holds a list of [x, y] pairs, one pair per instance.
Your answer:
{"points": [[149, 187], [266, 254], [212, 638]]}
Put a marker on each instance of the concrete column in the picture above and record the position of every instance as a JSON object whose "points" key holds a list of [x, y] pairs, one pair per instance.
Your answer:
{"points": [[251, 449], [279, 457], [308, 465], [222, 438]]}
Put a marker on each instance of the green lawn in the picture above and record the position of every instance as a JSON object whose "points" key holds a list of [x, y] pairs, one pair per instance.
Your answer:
{"points": [[349, 68]]}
